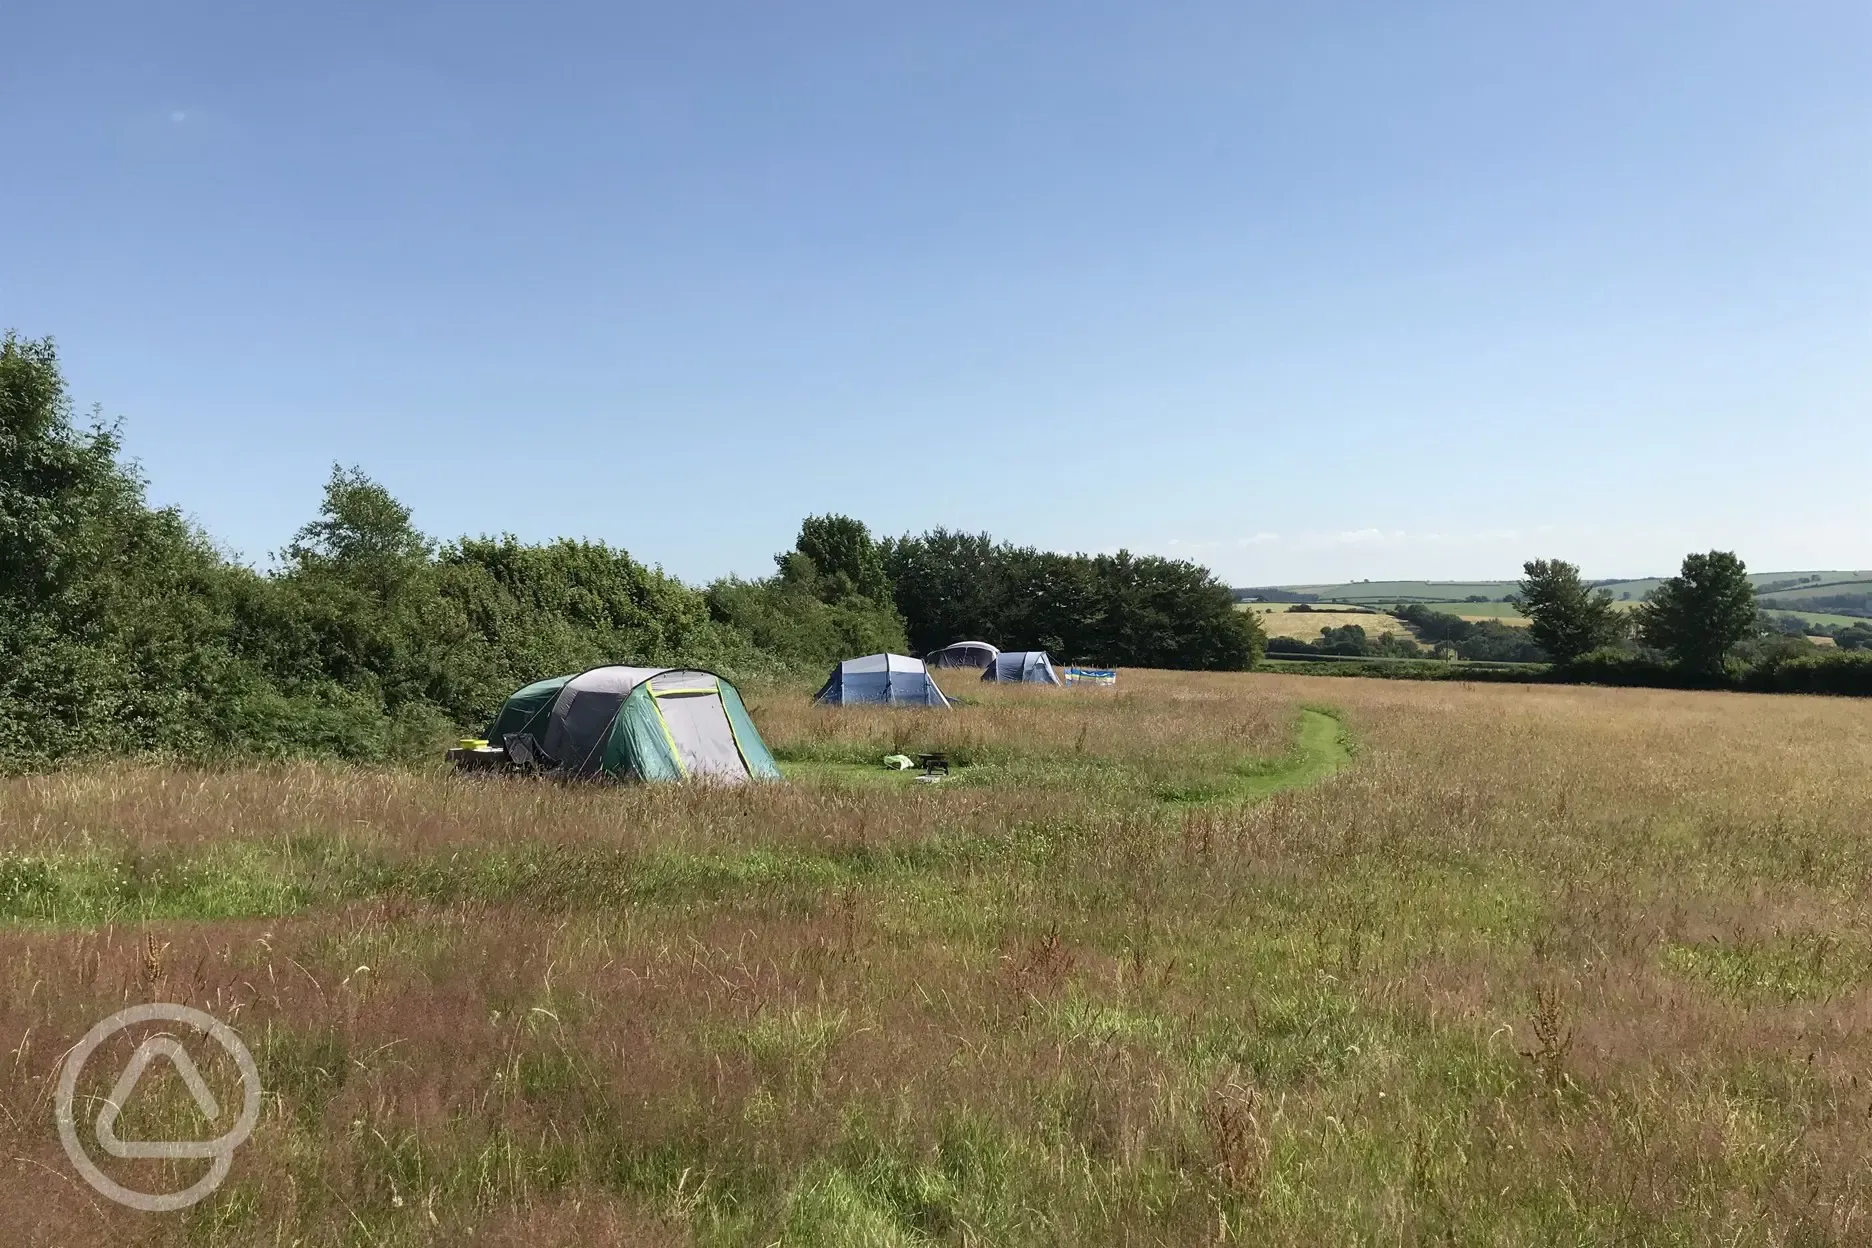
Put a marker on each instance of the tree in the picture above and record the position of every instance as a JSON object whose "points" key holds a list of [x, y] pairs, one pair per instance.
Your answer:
{"points": [[363, 534], [830, 599], [844, 557], [115, 616], [1566, 618], [1698, 615], [57, 482]]}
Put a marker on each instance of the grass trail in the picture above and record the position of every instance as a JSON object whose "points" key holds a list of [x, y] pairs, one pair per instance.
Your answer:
{"points": [[1321, 747]]}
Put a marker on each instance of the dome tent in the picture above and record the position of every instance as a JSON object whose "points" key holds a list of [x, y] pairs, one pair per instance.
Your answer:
{"points": [[975, 654], [881, 680], [644, 723], [1031, 667]]}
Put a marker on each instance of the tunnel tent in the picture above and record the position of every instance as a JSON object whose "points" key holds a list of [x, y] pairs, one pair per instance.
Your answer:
{"points": [[881, 680], [975, 654], [645, 723], [1031, 667]]}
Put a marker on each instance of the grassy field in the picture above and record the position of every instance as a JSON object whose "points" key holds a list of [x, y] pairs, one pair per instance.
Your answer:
{"points": [[1206, 959], [1278, 621], [1404, 591], [1821, 617], [1275, 626], [1382, 593], [1506, 612]]}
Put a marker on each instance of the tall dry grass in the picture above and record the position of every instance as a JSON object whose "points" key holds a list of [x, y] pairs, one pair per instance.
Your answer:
{"points": [[1546, 965]]}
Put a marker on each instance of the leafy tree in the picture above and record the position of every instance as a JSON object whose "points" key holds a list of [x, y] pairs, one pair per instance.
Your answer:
{"points": [[844, 557], [58, 483], [949, 586], [1700, 614], [782, 617], [1142, 611], [830, 598], [1565, 617], [530, 610], [1348, 639], [363, 536], [116, 619]]}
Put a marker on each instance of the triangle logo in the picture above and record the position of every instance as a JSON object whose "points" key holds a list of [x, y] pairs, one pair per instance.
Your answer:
{"points": [[146, 1053]]}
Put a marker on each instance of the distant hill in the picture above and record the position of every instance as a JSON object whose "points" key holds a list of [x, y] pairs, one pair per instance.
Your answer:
{"points": [[1845, 592]]}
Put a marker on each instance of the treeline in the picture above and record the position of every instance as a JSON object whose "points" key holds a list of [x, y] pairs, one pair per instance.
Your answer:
{"points": [[1122, 609], [124, 629], [1703, 628], [1347, 641], [1830, 604]]}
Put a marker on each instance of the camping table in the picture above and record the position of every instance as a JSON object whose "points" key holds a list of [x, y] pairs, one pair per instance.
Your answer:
{"points": [[487, 758]]}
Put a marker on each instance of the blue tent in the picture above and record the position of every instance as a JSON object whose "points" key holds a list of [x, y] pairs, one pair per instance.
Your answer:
{"points": [[1031, 667], [881, 680]]}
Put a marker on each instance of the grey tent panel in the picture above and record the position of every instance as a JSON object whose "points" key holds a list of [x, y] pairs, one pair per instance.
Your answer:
{"points": [[580, 722], [677, 678], [973, 654], [1026, 666], [619, 679], [699, 726]]}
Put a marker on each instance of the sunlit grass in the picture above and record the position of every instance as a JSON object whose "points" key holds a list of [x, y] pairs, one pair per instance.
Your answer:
{"points": [[1195, 961]]}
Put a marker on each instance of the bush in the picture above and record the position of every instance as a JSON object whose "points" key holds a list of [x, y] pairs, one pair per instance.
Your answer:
{"points": [[1610, 665], [1407, 669], [1848, 673]]}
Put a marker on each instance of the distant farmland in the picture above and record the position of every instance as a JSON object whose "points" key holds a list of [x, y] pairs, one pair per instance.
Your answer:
{"points": [[1777, 587], [1278, 621]]}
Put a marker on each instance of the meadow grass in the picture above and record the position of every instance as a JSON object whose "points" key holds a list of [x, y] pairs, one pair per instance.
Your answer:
{"points": [[1209, 958]]}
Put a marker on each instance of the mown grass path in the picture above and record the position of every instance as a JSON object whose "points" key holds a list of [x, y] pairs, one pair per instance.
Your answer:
{"points": [[1321, 747]]}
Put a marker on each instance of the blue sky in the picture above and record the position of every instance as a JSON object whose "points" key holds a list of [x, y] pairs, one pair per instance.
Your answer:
{"points": [[1300, 291]]}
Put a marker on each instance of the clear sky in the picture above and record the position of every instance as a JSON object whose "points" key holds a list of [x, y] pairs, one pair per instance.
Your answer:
{"points": [[1304, 291]]}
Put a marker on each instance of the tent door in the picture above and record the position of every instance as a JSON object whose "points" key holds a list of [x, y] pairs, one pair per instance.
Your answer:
{"points": [[699, 729]]}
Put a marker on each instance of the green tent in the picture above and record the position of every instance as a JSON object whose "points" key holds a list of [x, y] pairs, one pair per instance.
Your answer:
{"points": [[644, 723]]}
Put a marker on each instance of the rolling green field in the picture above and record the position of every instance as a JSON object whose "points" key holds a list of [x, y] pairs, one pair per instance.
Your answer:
{"points": [[1403, 591], [1207, 958], [1380, 593], [1819, 617]]}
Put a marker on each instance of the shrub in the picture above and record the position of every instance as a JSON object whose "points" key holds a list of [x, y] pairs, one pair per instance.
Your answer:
{"points": [[1610, 665], [1848, 673]]}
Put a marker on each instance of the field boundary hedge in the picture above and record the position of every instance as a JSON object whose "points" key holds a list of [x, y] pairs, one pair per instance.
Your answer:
{"points": [[1847, 674]]}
